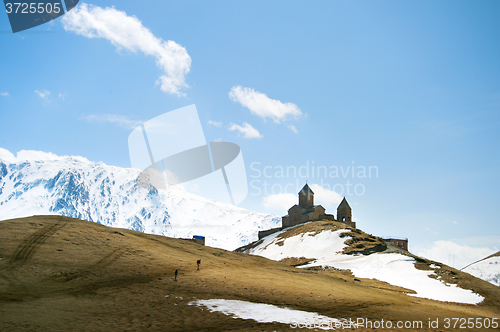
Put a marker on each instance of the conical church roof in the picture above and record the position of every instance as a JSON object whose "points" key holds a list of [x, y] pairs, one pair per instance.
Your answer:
{"points": [[306, 190], [344, 204]]}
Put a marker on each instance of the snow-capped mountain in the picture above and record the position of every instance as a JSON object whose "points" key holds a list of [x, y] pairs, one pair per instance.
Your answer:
{"points": [[487, 269], [39, 183]]}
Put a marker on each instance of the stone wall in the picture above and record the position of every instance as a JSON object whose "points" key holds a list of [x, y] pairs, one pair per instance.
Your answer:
{"points": [[268, 232], [327, 217], [350, 223]]}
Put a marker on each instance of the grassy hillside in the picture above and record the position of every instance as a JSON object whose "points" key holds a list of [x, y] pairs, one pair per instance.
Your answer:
{"points": [[64, 274], [359, 242]]}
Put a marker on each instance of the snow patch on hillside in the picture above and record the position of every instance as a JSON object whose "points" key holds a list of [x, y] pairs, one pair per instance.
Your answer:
{"points": [[266, 313], [397, 269], [321, 245], [487, 269]]}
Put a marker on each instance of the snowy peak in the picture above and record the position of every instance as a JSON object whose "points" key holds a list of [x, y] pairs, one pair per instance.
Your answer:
{"points": [[38, 183]]}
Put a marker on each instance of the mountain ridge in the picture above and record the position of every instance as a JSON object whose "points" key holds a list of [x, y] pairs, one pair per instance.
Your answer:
{"points": [[38, 183]]}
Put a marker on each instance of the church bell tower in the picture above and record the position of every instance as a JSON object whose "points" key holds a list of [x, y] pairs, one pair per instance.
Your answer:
{"points": [[306, 196]]}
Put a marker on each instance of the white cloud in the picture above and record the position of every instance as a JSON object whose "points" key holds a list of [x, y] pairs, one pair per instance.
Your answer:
{"points": [[261, 105], [127, 32], [36, 155], [7, 156], [326, 197], [247, 130], [214, 123], [116, 119], [44, 94], [32, 155], [4, 94], [280, 202], [453, 254], [292, 128]]}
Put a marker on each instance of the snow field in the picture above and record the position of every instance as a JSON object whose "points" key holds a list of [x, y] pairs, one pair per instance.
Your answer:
{"points": [[396, 269]]}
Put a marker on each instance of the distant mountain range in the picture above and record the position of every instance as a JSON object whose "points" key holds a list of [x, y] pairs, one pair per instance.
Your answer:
{"points": [[38, 183], [487, 269]]}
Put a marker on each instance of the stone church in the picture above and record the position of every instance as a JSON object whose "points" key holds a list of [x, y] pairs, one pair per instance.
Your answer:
{"points": [[306, 211]]}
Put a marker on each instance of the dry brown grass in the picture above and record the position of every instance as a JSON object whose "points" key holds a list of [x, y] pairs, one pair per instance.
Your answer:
{"points": [[63, 274], [453, 276], [362, 243], [359, 242], [497, 254], [296, 261]]}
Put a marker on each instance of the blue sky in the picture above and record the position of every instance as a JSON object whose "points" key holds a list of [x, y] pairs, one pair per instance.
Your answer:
{"points": [[410, 88]]}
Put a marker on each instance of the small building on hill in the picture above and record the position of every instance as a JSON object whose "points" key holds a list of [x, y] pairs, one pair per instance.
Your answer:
{"points": [[197, 239], [306, 211], [401, 243], [344, 213]]}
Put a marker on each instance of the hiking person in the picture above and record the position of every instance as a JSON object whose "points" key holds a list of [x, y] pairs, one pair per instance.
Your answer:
{"points": [[198, 262], [175, 274]]}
